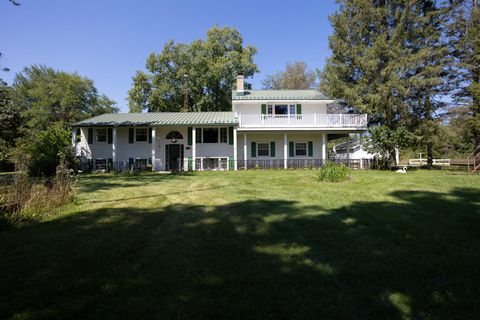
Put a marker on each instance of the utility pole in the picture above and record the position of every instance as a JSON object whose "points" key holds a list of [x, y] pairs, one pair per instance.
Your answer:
{"points": [[185, 93]]}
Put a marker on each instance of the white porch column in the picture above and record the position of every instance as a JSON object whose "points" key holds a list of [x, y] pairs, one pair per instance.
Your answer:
{"points": [[74, 140], [74, 137], [114, 144], [361, 149], [348, 150], [285, 151], [324, 147], [245, 151], [235, 167], [154, 144], [194, 147]]}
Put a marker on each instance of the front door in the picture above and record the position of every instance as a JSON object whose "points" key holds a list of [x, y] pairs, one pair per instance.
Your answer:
{"points": [[174, 157]]}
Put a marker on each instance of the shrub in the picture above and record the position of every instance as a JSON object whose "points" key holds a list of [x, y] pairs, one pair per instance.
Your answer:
{"points": [[333, 172], [27, 199]]}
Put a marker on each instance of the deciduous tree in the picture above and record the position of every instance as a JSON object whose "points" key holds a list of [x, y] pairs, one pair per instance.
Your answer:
{"points": [[296, 76], [47, 96], [205, 70]]}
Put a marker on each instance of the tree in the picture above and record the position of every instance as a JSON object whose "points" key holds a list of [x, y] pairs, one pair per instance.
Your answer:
{"points": [[384, 141], [47, 96], [10, 121], [296, 76], [45, 150], [426, 68], [365, 69], [465, 46], [205, 70]]}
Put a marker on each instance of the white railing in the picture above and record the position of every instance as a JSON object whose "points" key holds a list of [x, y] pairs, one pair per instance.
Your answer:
{"points": [[304, 120], [423, 162]]}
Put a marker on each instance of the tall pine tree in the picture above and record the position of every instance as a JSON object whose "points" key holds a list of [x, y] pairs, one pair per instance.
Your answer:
{"points": [[465, 45], [368, 60], [427, 66]]}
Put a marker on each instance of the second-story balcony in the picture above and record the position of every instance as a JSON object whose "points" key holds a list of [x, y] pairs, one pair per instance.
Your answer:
{"points": [[325, 120]]}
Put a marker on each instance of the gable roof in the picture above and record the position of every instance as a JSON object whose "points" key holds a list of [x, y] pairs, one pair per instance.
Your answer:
{"points": [[278, 95], [160, 118]]}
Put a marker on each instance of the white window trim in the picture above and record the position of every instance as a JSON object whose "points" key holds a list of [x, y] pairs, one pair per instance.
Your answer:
{"points": [[135, 140], [218, 136], [306, 149], [269, 151]]}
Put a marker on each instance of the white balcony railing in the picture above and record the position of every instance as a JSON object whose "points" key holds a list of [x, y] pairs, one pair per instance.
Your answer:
{"points": [[303, 120]]}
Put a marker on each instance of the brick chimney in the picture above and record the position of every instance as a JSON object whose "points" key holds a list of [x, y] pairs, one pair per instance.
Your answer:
{"points": [[240, 87]]}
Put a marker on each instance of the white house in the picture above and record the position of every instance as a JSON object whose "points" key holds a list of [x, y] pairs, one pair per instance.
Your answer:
{"points": [[265, 129], [352, 149]]}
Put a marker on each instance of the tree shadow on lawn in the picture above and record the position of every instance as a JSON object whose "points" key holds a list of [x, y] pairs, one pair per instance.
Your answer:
{"points": [[414, 258], [96, 182]]}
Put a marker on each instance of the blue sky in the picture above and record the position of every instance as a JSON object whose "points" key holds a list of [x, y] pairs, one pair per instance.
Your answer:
{"points": [[108, 40]]}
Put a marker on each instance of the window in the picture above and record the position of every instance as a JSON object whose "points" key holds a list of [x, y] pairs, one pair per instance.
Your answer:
{"points": [[198, 135], [141, 134], [263, 149], [174, 135], [281, 109], [210, 135], [100, 164], [293, 109], [223, 135], [101, 135], [301, 149], [141, 163]]}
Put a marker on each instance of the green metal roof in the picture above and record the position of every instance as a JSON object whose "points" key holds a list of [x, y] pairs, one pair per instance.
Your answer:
{"points": [[278, 95], [160, 119]]}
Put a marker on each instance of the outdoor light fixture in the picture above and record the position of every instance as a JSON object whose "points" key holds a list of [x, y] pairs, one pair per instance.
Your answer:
{"points": [[187, 148]]}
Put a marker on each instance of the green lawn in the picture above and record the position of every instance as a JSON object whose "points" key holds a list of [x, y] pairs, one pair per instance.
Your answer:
{"points": [[252, 245]]}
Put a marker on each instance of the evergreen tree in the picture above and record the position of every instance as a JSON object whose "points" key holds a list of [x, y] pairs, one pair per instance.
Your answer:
{"points": [[365, 69], [465, 46], [427, 63]]}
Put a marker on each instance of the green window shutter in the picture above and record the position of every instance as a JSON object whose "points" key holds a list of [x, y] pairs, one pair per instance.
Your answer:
{"points": [[230, 135], [109, 135], [109, 164], [78, 135], [230, 163], [264, 109], [131, 133], [310, 148], [272, 149], [253, 149], [299, 109], [149, 135], [90, 135], [90, 164], [291, 147], [189, 139], [190, 164]]}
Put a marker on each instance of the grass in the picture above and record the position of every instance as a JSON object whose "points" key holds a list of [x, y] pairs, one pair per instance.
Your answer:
{"points": [[251, 245]]}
